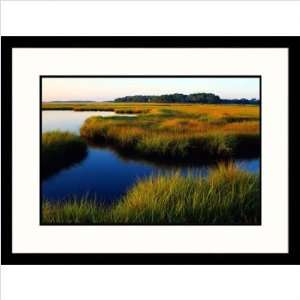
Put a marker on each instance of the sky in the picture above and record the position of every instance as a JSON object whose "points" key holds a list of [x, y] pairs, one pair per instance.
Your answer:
{"points": [[106, 89]]}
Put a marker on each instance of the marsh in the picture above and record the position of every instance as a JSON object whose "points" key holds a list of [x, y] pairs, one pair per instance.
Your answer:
{"points": [[104, 173], [158, 150]]}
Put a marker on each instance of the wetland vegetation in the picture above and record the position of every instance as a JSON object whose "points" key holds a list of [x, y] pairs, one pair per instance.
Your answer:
{"points": [[181, 132], [211, 135], [59, 150], [228, 196]]}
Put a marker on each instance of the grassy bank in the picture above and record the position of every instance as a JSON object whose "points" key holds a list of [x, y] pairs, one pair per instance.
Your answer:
{"points": [[183, 132], [118, 108], [60, 150], [228, 196]]}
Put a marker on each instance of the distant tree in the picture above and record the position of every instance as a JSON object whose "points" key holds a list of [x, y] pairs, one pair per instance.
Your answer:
{"points": [[182, 98]]}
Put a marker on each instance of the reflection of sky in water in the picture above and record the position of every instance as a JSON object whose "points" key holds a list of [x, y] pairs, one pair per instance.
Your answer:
{"points": [[70, 120], [103, 173], [250, 165]]}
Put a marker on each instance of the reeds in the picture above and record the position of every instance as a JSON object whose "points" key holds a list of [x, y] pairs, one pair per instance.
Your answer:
{"points": [[118, 108], [181, 133], [59, 150], [228, 196]]}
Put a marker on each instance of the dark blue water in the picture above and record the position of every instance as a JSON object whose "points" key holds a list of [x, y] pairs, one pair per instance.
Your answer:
{"points": [[105, 175]]}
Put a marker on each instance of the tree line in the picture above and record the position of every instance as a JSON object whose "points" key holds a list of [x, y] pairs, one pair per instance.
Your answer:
{"points": [[182, 98]]}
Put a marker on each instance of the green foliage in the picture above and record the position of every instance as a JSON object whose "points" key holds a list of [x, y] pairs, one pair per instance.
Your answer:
{"points": [[228, 196], [172, 98], [59, 150]]}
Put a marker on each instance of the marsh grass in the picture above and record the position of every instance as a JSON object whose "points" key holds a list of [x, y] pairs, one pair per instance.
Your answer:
{"points": [[228, 196], [200, 132], [131, 111], [118, 108], [83, 211], [60, 149]]}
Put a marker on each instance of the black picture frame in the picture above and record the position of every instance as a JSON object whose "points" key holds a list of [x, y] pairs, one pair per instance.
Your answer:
{"points": [[9, 43]]}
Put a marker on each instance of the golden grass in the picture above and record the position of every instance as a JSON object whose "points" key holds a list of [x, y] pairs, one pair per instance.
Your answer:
{"points": [[228, 196], [212, 110], [175, 130], [179, 131]]}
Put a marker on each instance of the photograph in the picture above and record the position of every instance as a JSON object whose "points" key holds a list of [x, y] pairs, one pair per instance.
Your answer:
{"points": [[150, 150]]}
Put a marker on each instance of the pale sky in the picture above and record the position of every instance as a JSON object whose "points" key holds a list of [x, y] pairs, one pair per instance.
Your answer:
{"points": [[104, 89]]}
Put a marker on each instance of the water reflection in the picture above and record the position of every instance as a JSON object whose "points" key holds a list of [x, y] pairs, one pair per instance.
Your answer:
{"points": [[107, 176], [104, 172], [70, 120]]}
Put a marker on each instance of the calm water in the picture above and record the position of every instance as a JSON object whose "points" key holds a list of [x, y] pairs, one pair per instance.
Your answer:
{"points": [[104, 173], [71, 120]]}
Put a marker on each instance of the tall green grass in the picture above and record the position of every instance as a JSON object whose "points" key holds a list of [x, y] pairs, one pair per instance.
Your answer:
{"points": [[161, 137], [59, 150], [228, 196]]}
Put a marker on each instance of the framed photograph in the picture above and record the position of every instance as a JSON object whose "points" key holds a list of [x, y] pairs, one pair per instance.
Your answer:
{"points": [[148, 150]]}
